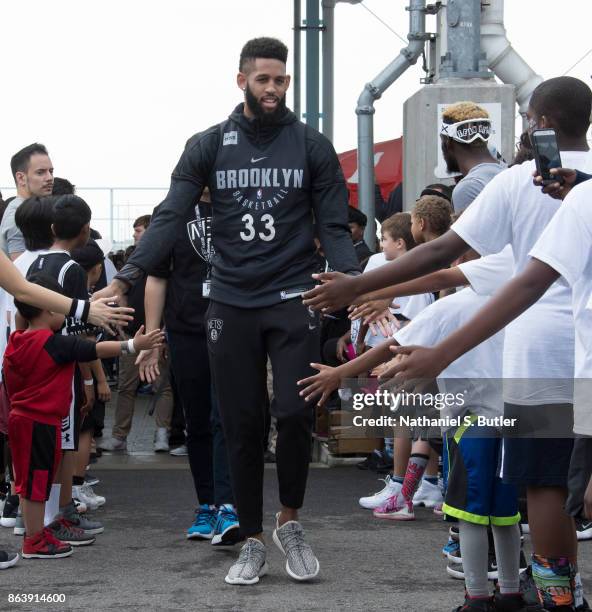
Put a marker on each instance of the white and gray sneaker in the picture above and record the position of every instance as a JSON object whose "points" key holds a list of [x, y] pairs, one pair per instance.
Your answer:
{"points": [[301, 563], [250, 565]]}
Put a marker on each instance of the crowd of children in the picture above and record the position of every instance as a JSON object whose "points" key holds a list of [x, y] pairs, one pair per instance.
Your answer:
{"points": [[524, 376]]}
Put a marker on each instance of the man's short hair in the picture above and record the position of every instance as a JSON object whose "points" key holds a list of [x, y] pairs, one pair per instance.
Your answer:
{"points": [[34, 218], [20, 160], [144, 221], [29, 312], [355, 215], [463, 111], [70, 214], [398, 227], [269, 48], [62, 186], [436, 211], [567, 101]]}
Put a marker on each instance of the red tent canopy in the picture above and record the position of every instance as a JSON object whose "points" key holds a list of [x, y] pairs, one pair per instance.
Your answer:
{"points": [[388, 167]]}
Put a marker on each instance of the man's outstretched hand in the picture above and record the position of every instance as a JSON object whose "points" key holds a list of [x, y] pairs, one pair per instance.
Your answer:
{"points": [[336, 291]]}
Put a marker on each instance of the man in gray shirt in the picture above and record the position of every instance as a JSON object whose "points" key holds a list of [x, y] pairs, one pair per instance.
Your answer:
{"points": [[466, 129], [33, 175]]}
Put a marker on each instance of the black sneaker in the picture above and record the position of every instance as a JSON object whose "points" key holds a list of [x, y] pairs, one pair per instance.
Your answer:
{"points": [[10, 511], [385, 464], [7, 559], [480, 604], [584, 529], [509, 603], [370, 462]]}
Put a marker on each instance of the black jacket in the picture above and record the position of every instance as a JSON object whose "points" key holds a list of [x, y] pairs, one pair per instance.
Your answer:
{"points": [[266, 183]]}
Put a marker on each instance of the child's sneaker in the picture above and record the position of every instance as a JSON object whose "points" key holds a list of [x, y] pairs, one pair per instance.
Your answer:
{"points": [[7, 559], [227, 531], [476, 604], [86, 495], [45, 545], [204, 526], [380, 498], [396, 509], [428, 495], [452, 547], [63, 530], [89, 526], [509, 602], [10, 511]]}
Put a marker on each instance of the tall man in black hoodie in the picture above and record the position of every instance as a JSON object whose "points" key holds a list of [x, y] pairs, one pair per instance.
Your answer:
{"points": [[268, 175]]}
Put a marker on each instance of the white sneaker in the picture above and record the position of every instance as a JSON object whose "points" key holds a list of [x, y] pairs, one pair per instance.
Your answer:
{"points": [[87, 496], [113, 445], [161, 440], [378, 499], [428, 495], [180, 451], [80, 507]]}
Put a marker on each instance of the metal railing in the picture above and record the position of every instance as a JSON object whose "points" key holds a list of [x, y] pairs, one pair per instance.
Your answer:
{"points": [[115, 208]]}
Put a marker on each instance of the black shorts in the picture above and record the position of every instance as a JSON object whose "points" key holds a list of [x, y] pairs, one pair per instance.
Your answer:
{"points": [[537, 451], [580, 470], [35, 456], [538, 462]]}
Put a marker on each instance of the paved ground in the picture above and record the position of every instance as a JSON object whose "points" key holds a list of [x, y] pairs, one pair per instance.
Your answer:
{"points": [[143, 561]]}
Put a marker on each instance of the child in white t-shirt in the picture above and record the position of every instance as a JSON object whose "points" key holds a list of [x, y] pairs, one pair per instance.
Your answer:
{"points": [[418, 463]]}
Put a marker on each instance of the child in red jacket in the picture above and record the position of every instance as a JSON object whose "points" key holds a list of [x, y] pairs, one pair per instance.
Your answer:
{"points": [[38, 372]]}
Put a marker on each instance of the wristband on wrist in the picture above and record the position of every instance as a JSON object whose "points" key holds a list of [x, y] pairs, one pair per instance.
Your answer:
{"points": [[127, 346], [85, 311], [89, 382]]}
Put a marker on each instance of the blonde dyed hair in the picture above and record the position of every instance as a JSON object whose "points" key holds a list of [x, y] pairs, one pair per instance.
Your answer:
{"points": [[462, 111]]}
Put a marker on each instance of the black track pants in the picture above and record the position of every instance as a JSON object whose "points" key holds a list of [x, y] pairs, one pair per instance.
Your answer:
{"points": [[239, 340]]}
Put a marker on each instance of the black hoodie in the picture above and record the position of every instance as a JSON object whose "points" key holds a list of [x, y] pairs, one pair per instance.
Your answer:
{"points": [[266, 183]]}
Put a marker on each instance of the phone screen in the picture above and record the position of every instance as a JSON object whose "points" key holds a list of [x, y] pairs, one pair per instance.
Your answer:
{"points": [[546, 152]]}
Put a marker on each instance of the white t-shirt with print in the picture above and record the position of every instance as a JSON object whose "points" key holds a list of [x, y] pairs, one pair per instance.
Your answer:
{"points": [[539, 347], [566, 246]]}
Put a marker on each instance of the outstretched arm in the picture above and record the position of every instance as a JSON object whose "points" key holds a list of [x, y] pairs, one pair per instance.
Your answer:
{"points": [[12, 281], [510, 302], [338, 290], [372, 305], [328, 379]]}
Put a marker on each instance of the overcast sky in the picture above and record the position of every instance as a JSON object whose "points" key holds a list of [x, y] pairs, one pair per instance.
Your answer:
{"points": [[114, 88]]}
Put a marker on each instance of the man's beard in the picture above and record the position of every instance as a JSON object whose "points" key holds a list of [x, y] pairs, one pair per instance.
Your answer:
{"points": [[451, 163], [265, 117]]}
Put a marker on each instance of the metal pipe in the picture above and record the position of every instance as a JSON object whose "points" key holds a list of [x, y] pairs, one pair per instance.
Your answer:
{"points": [[312, 63], [297, 57], [328, 73], [502, 58], [365, 111]]}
